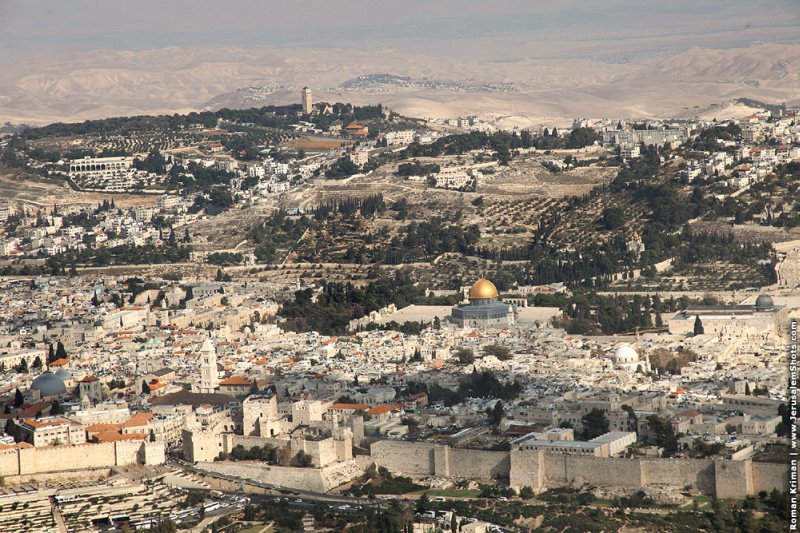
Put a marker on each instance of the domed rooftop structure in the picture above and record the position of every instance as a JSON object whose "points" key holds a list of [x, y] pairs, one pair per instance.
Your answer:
{"points": [[484, 308], [63, 373], [483, 288], [764, 301], [48, 384], [625, 353]]}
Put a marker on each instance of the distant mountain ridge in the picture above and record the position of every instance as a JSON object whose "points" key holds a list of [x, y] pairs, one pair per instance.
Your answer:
{"points": [[171, 80]]}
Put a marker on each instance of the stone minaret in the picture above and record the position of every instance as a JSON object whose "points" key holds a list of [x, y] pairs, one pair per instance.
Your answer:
{"points": [[209, 382]]}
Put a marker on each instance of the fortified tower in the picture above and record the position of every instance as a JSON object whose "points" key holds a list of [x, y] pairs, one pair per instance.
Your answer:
{"points": [[306, 101]]}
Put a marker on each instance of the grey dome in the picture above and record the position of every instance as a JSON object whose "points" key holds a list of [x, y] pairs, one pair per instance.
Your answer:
{"points": [[48, 384], [64, 374], [764, 302]]}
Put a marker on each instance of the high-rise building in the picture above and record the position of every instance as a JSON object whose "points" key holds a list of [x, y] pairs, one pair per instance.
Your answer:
{"points": [[307, 106], [209, 381]]}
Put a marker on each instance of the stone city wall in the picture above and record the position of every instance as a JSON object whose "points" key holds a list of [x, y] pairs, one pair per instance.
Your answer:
{"points": [[29, 461], [540, 470], [478, 464], [9, 463], [528, 469], [404, 458], [769, 476], [425, 459], [679, 473], [563, 469], [733, 479]]}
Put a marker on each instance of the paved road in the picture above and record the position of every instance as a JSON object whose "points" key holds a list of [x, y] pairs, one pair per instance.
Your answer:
{"points": [[58, 517]]}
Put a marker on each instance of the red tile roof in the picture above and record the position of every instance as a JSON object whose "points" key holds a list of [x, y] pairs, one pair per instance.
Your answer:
{"points": [[30, 411], [350, 406], [139, 419], [102, 428], [111, 436], [236, 380], [381, 409], [48, 423]]}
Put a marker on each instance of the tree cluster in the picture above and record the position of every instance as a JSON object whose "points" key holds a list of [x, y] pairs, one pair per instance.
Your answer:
{"points": [[415, 168]]}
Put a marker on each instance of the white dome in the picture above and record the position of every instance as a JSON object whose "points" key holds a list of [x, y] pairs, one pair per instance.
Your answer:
{"points": [[625, 354]]}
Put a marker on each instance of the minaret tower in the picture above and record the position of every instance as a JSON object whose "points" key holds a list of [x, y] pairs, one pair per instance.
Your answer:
{"points": [[209, 381]]}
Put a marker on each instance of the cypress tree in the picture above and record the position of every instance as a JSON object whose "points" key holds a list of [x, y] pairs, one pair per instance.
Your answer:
{"points": [[497, 413], [18, 399], [698, 326], [11, 429]]}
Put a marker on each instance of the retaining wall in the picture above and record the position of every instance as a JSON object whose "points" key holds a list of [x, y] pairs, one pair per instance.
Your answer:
{"points": [[309, 479]]}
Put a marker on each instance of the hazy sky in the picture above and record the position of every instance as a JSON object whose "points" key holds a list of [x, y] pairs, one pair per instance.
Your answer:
{"points": [[506, 30]]}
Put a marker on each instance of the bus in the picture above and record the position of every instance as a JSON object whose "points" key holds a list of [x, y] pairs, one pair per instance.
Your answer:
{"points": [[67, 498]]}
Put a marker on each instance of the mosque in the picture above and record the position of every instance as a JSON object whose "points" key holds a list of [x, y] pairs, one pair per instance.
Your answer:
{"points": [[762, 316], [484, 309]]}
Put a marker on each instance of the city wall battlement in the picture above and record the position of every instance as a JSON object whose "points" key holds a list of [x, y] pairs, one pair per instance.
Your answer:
{"points": [[28, 461], [540, 470]]}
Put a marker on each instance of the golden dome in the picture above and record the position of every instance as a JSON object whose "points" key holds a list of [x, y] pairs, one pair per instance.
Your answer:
{"points": [[483, 288]]}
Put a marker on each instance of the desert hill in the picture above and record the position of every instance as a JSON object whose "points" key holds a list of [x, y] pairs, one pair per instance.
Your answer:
{"points": [[169, 80]]}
